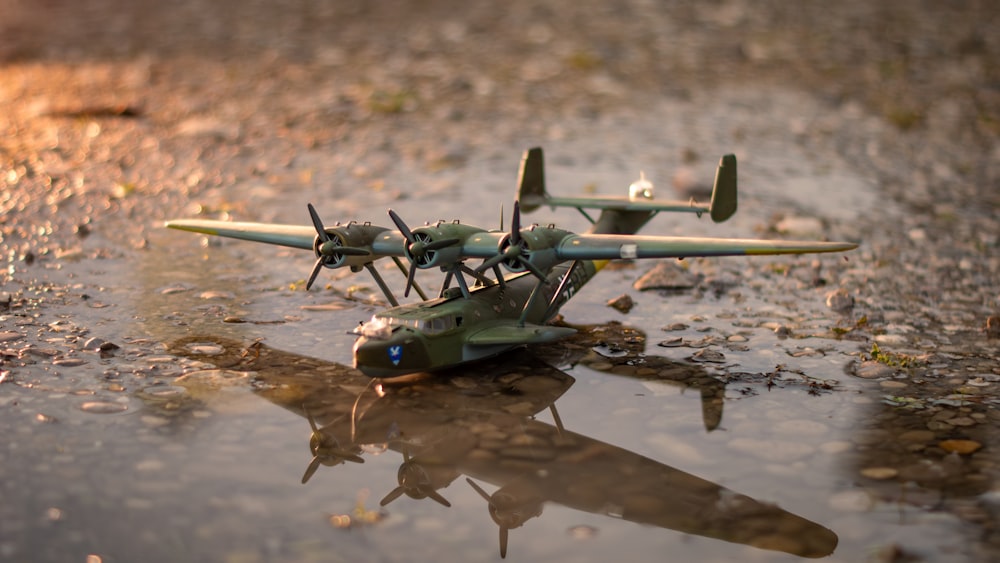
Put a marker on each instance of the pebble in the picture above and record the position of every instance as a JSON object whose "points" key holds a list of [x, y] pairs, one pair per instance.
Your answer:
{"points": [[68, 362], [103, 407], [708, 356], [840, 300], [873, 370], [623, 303], [879, 473], [960, 446], [666, 275], [9, 336], [217, 295]]}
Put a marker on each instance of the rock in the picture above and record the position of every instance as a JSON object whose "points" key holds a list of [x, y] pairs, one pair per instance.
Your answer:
{"points": [[873, 370], [666, 275], [708, 356], [879, 473], [840, 300], [963, 447], [623, 303]]}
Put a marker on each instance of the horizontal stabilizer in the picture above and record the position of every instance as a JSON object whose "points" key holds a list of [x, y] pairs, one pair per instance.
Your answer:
{"points": [[532, 193], [511, 334], [294, 236]]}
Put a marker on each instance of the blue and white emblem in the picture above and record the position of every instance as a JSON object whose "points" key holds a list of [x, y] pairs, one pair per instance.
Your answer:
{"points": [[395, 354]]}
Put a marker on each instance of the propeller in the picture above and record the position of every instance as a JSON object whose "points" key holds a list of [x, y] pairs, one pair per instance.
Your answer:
{"points": [[513, 250], [506, 512], [331, 249], [326, 450], [415, 482], [420, 248]]}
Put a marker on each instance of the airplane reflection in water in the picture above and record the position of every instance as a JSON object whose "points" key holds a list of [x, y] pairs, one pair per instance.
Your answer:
{"points": [[481, 425]]}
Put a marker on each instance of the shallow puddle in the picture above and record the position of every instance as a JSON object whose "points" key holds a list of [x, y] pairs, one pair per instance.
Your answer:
{"points": [[718, 423]]}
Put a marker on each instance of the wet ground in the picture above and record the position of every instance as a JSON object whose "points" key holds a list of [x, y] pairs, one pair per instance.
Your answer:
{"points": [[158, 391]]}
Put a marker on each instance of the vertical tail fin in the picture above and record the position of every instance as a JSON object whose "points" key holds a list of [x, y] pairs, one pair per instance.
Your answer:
{"points": [[724, 190], [531, 180]]}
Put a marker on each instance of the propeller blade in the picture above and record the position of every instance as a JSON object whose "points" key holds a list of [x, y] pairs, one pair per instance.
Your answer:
{"points": [[440, 499], [409, 279], [348, 456], [479, 490], [320, 230], [491, 262], [503, 542], [313, 466], [393, 495], [401, 226], [315, 272], [515, 225]]}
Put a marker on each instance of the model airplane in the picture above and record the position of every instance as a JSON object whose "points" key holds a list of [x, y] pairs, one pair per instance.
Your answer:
{"points": [[524, 275]]}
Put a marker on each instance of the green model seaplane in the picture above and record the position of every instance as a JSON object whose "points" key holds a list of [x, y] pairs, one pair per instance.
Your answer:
{"points": [[522, 277]]}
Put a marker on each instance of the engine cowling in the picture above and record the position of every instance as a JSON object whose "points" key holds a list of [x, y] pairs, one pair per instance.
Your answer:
{"points": [[538, 246], [348, 245]]}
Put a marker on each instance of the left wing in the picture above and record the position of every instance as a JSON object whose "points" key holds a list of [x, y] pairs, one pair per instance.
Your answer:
{"points": [[295, 236], [611, 247]]}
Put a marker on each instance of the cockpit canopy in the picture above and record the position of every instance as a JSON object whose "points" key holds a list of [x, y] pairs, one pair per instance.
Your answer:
{"points": [[381, 327]]}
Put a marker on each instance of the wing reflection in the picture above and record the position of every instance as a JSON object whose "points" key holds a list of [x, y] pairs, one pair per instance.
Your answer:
{"points": [[481, 425]]}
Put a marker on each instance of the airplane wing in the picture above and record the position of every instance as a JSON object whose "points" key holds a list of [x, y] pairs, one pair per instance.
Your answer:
{"points": [[380, 241], [295, 236], [611, 247], [507, 333]]}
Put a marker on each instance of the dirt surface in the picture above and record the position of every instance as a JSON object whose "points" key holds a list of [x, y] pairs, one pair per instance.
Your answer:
{"points": [[117, 115]]}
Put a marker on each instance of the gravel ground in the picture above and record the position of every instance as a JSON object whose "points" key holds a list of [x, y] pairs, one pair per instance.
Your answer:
{"points": [[117, 115]]}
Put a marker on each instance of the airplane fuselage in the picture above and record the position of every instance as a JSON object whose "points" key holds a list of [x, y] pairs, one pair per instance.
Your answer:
{"points": [[453, 329]]}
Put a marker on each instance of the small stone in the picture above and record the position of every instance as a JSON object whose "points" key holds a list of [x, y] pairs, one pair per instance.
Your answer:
{"points": [[709, 356], [623, 303], [879, 473], [873, 370], [8, 336], [675, 327], [963, 447], [103, 407], [68, 362], [666, 275], [840, 300], [671, 342]]}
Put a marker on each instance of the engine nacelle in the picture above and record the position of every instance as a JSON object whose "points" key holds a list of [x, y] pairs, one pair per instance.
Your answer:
{"points": [[425, 253], [353, 238], [538, 246]]}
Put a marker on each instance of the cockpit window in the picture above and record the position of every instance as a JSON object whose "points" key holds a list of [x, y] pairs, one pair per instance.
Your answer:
{"points": [[380, 328]]}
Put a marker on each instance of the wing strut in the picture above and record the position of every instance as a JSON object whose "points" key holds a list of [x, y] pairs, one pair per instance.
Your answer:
{"points": [[370, 266], [553, 303]]}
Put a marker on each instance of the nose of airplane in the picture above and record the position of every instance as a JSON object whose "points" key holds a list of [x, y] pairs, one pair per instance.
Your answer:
{"points": [[403, 352]]}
